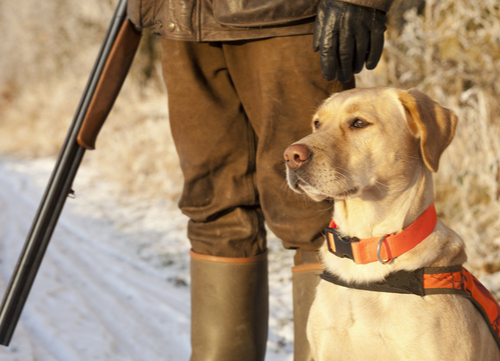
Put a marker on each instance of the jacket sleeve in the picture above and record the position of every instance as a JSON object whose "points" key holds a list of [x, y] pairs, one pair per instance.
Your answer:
{"points": [[145, 13]]}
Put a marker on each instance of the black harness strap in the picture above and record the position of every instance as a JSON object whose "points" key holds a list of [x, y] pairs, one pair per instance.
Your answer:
{"points": [[409, 282], [412, 282]]}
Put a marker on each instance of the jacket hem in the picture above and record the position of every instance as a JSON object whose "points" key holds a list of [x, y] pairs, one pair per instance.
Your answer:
{"points": [[236, 34]]}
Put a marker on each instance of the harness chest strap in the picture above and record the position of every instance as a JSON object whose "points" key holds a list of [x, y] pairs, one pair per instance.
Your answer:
{"points": [[369, 250], [432, 281]]}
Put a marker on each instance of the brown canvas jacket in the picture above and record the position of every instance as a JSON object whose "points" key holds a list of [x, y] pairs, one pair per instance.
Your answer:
{"points": [[227, 20]]}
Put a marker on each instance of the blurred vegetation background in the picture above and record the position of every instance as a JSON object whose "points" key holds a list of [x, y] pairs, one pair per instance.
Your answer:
{"points": [[449, 49]]}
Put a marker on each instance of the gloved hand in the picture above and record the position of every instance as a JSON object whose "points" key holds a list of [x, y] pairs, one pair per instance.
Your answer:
{"points": [[347, 35]]}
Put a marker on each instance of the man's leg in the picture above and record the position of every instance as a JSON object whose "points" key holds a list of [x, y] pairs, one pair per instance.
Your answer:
{"points": [[280, 85], [216, 146]]}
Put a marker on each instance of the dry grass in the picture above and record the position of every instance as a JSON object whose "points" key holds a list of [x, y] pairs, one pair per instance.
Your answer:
{"points": [[448, 49], [41, 81]]}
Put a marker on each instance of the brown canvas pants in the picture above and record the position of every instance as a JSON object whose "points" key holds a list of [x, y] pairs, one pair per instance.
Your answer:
{"points": [[234, 108]]}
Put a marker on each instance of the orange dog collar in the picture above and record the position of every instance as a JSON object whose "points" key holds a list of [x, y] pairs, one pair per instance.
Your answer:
{"points": [[386, 248]]}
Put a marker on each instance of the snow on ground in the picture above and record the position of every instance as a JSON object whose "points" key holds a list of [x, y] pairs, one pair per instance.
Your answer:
{"points": [[114, 283]]}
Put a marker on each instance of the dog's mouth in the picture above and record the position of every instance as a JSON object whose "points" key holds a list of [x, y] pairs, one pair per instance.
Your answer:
{"points": [[317, 195], [301, 185]]}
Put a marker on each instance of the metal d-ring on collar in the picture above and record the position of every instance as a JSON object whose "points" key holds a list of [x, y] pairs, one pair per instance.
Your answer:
{"points": [[378, 250]]}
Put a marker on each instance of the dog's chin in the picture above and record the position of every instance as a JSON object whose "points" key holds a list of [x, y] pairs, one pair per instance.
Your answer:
{"points": [[343, 195], [338, 195], [310, 191], [317, 195]]}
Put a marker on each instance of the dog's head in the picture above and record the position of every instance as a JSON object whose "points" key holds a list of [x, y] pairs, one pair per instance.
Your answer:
{"points": [[365, 138]]}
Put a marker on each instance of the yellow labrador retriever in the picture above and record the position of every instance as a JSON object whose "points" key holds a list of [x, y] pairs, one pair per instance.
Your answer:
{"points": [[373, 152]]}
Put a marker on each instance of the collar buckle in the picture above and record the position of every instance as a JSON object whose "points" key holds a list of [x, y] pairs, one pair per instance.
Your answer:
{"points": [[338, 245]]}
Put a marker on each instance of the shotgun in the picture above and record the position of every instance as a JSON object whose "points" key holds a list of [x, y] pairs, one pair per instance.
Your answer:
{"points": [[110, 69]]}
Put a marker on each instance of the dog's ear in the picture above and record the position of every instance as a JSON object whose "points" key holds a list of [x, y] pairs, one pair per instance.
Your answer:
{"points": [[429, 122]]}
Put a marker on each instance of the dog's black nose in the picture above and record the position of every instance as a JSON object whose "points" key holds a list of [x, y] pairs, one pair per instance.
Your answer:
{"points": [[296, 156]]}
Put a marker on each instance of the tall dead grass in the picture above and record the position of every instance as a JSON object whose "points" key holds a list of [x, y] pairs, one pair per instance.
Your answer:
{"points": [[49, 49], [448, 49]]}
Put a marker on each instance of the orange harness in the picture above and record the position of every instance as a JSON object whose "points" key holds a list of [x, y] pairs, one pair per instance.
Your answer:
{"points": [[423, 281], [432, 281]]}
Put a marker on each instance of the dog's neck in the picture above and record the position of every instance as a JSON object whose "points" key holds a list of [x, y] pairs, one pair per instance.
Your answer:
{"points": [[373, 214]]}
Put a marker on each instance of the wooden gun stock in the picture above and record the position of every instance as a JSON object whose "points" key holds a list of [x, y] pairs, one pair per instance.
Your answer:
{"points": [[107, 76], [109, 85]]}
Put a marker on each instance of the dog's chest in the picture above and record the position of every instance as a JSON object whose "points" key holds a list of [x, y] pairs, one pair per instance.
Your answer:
{"points": [[366, 325], [358, 311]]}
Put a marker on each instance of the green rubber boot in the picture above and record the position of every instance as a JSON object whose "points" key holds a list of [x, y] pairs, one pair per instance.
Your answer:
{"points": [[229, 308], [305, 278]]}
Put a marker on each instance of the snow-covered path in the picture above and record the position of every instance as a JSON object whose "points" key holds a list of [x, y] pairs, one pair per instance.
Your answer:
{"points": [[106, 289], [88, 302]]}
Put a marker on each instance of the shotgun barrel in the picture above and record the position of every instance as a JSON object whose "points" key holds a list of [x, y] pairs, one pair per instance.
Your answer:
{"points": [[110, 69]]}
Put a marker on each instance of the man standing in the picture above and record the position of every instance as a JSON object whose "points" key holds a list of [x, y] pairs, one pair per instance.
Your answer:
{"points": [[243, 81]]}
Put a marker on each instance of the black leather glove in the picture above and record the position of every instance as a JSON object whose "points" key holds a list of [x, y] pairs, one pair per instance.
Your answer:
{"points": [[347, 35]]}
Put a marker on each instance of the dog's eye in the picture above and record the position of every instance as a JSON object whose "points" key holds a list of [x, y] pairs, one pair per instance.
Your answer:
{"points": [[317, 124], [358, 123]]}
